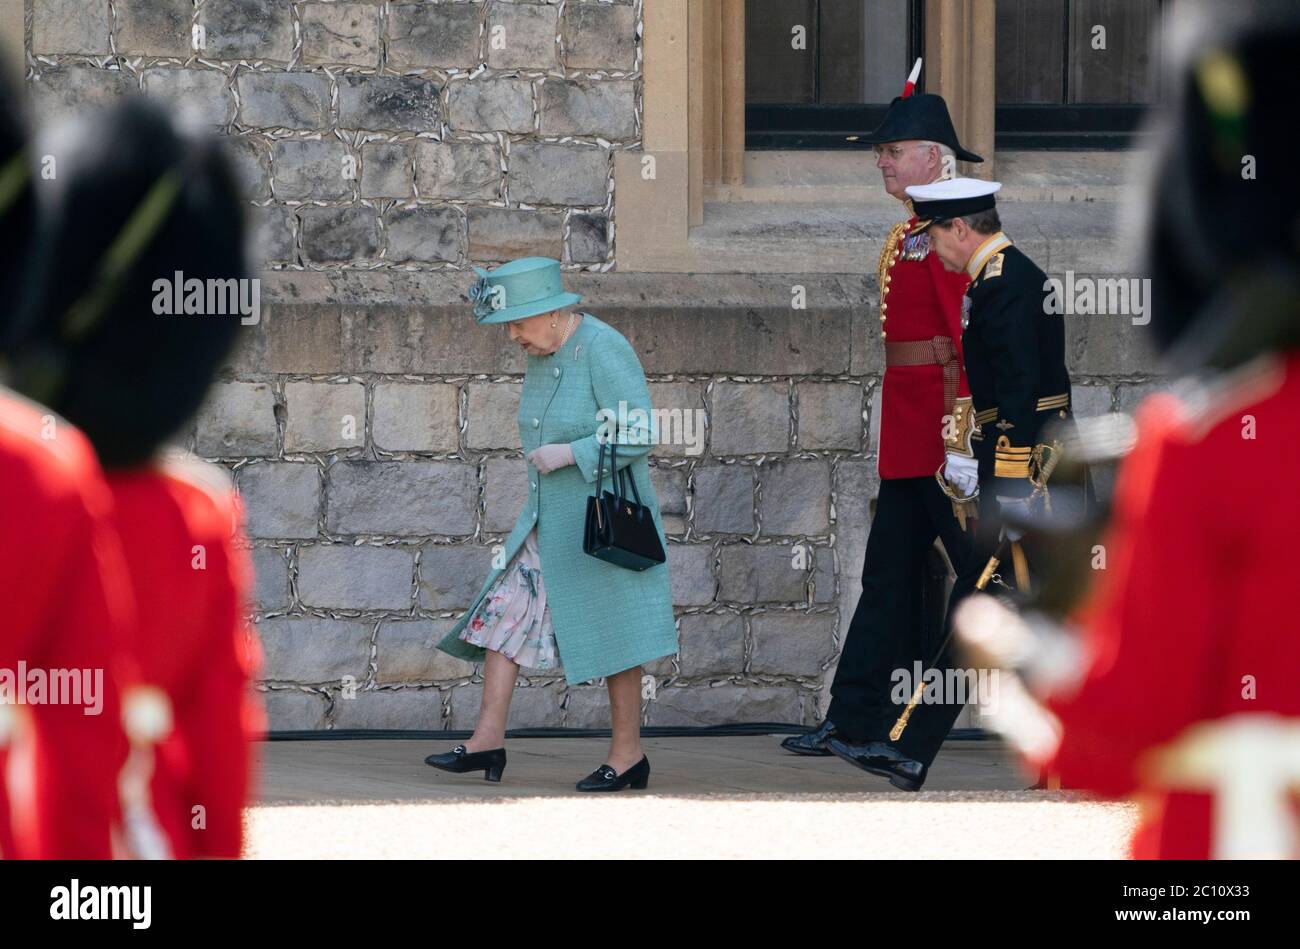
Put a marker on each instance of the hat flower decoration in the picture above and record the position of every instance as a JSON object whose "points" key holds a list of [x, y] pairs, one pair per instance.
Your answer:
{"points": [[487, 297]]}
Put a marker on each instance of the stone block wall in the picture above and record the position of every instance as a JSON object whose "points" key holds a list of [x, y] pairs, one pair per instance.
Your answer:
{"points": [[368, 134], [370, 426]]}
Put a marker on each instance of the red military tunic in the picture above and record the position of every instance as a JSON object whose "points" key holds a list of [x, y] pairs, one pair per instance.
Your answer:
{"points": [[192, 642], [67, 604], [1198, 594], [920, 301]]}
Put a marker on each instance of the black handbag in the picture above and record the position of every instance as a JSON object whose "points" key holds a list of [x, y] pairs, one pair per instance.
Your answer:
{"points": [[620, 530]]}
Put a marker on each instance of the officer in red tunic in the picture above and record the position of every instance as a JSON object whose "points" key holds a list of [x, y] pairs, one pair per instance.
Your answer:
{"points": [[89, 342], [920, 323], [63, 584], [1187, 695]]}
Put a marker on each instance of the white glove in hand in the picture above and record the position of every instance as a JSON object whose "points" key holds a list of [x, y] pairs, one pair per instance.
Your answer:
{"points": [[550, 457], [962, 473], [1017, 507]]}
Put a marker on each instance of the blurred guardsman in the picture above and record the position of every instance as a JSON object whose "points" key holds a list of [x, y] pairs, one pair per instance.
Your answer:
{"points": [[920, 312], [67, 603], [1015, 362], [1187, 696], [136, 207]]}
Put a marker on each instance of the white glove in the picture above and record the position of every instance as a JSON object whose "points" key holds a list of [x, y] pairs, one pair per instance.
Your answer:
{"points": [[1019, 507], [550, 457], [962, 473]]}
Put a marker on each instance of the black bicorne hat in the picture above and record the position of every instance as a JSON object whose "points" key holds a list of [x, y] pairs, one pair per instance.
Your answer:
{"points": [[923, 118]]}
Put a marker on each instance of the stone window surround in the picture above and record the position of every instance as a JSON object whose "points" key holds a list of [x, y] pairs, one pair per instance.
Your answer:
{"points": [[694, 117]]}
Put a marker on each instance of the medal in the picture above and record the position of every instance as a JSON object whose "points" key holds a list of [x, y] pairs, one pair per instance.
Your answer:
{"points": [[916, 247]]}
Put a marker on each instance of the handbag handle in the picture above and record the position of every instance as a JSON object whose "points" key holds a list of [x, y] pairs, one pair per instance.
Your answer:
{"points": [[615, 476], [600, 470], [623, 479], [626, 473]]}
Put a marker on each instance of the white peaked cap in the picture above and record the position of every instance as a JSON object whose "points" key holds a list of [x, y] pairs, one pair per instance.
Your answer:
{"points": [[954, 189]]}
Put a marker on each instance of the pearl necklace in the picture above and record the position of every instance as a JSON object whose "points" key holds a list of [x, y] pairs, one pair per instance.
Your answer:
{"points": [[568, 329]]}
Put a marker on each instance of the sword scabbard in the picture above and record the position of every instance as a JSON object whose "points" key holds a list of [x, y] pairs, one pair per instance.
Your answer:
{"points": [[896, 732]]}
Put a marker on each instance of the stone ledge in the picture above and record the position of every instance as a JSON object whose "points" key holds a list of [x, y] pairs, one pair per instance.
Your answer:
{"points": [[1083, 236], [408, 322], [850, 176]]}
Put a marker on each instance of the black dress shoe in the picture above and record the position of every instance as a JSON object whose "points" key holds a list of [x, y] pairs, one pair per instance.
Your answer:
{"points": [[458, 761], [882, 758], [605, 778], [811, 743]]}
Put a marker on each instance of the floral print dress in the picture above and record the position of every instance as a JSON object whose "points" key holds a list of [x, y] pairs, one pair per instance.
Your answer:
{"points": [[513, 618]]}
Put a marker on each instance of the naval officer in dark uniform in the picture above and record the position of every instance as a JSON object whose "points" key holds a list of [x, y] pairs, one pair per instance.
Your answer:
{"points": [[1014, 352], [1013, 338]]}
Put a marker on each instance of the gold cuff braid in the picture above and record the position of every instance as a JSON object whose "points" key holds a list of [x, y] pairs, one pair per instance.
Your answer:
{"points": [[958, 430], [1009, 462]]}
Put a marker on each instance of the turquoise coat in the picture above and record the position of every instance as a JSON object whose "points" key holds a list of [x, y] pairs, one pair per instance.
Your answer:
{"points": [[607, 618]]}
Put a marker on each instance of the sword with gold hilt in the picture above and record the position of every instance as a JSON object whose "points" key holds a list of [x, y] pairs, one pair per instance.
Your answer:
{"points": [[1045, 458]]}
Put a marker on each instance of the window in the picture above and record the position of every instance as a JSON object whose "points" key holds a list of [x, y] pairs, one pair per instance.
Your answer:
{"points": [[1074, 73], [819, 71]]}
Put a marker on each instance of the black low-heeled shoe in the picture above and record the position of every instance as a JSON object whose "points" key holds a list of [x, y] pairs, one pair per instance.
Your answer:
{"points": [[883, 759], [458, 761], [605, 778], [812, 743]]}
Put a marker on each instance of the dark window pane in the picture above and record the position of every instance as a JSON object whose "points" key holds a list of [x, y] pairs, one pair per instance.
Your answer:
{"points": [[1123, 72], [863, 50], [1030, 51], [774, 70]]}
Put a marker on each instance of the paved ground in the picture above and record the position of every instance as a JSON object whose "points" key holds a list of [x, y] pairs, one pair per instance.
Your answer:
{"points": [[708, 797]]}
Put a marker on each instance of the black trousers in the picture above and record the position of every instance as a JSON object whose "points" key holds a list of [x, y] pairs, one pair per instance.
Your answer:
{"points": [[886, 633], [930, 722]]}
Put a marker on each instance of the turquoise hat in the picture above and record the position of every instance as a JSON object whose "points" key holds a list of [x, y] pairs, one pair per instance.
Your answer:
{"points": [[519, 289]]}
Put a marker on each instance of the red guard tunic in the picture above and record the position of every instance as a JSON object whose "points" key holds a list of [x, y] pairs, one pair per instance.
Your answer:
{"points": [[67, 604], [1194, 617], [920, 303], [179, 521]]}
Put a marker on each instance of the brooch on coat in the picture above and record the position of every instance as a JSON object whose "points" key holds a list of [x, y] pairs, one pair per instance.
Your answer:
{"points": [[965, 311], [916, 247], [487, 297]]}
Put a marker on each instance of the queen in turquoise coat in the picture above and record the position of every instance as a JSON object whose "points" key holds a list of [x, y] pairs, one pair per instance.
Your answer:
{"points": [[583, 385]]}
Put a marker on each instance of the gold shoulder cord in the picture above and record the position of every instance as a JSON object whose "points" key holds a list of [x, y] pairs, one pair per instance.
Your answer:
{"points": [[888, 257], [887, 253]]}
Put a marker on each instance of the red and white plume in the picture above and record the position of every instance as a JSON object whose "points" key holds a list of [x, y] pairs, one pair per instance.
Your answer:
{"points": [[910, 86]]}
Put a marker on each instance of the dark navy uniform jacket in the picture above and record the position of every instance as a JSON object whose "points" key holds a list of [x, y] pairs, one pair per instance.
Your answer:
{"points": [[1015, 364]]}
